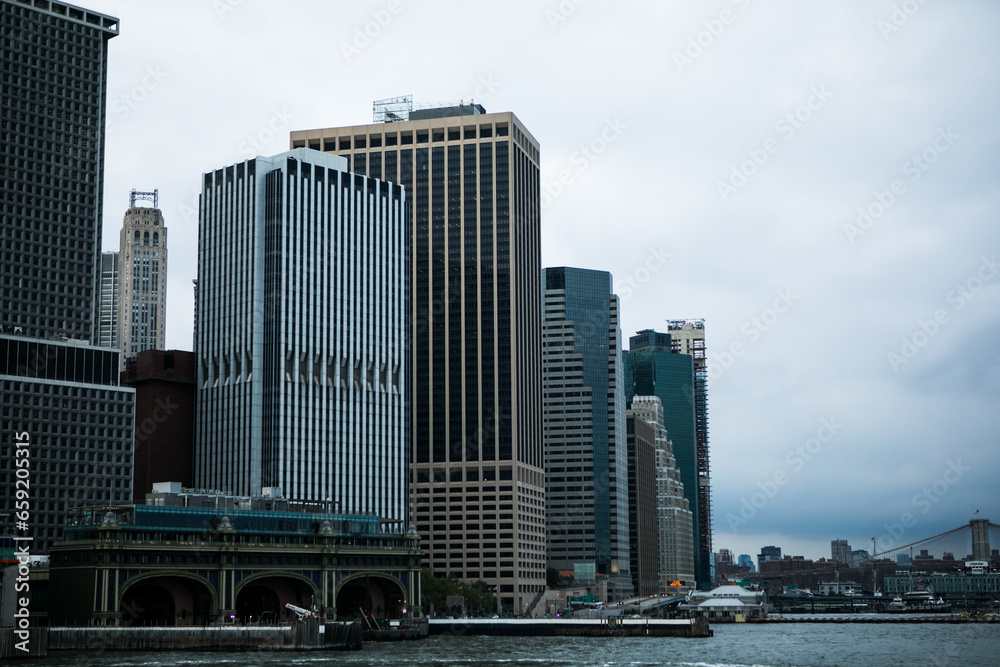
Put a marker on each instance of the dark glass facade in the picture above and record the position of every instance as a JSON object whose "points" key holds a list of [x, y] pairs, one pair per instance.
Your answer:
{"points": [[54, 83], [586, 471]]}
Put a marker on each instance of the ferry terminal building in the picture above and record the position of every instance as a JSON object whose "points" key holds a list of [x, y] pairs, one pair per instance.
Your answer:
{"points": [[199, 558]]}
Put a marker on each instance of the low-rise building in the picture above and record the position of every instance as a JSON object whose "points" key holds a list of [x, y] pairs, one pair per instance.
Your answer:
{"points": [[195, 558], [726, 604]]}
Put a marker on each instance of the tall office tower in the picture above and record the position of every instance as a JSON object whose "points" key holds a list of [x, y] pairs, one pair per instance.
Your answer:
{"points": [[142, 280], [688, 337], [768, 554], [653, 367], [107, 327], [746, 560], [980, 539], [643, 538], [57, 392], [840, 551], [52, 166], [675, 520], [301, 342], [586, 482], [478, 486]]}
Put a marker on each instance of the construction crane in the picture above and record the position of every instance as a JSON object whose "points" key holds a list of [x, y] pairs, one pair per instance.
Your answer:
{"points": [[299, 611]]}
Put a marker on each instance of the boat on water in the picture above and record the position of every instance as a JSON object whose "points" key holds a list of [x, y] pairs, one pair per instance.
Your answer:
{"points": [[918, 597]]}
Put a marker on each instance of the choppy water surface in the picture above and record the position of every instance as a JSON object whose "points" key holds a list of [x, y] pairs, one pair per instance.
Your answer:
{"points": [[813, 645]]}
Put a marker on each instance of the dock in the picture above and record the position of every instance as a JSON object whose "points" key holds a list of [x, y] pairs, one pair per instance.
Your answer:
{"points": [[952, 619], [305, 636], [571, 627]]}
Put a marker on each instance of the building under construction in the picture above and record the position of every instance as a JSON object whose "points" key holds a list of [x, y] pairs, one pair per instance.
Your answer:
{"points": [[688, 337]]}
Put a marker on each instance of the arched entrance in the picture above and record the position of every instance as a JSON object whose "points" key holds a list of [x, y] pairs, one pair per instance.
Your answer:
{"points": [[165, 600], [375, 595], [262, 600]]}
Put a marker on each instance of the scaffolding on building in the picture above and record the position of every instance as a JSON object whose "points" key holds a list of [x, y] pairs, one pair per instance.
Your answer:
{"points": [[153, 197], [698, 351], [392, 109]]}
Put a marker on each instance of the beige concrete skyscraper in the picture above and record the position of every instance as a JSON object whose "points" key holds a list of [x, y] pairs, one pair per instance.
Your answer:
{"points": [[472, 180], [142, 276], [675, 520]]}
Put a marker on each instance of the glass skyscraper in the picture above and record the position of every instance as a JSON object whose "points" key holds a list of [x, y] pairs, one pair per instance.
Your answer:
{"points": [[301, 334], [586, 467]]}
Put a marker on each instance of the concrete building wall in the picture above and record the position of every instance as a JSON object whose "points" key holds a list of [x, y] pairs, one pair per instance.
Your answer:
{"points": [[78, 421], [164, 383]]}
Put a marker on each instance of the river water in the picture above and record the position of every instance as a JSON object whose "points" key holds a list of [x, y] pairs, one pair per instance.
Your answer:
{"points": [[813, 645]]}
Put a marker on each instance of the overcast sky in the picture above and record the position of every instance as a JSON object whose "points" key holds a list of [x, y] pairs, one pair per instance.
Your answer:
{"points": [[716, 157]]}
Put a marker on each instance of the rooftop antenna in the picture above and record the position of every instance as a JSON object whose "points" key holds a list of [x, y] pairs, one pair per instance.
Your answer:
{"points": [[392, 109], [135, 196]]}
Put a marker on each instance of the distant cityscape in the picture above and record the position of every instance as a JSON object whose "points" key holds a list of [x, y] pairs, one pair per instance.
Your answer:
{"points": [[385, 384]]}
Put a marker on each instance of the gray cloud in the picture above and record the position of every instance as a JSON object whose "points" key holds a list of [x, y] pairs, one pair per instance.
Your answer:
{"points": [[656, 186]]}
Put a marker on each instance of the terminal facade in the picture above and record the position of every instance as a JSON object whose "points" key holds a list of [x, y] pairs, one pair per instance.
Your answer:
{"points": [[199, 558]]}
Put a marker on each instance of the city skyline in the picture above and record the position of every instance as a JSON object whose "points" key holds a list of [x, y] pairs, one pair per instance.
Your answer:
{"points": [[823, 206]]}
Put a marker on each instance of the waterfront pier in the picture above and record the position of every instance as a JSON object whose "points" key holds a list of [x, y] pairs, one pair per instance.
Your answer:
{"points": [[571, 627]]}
